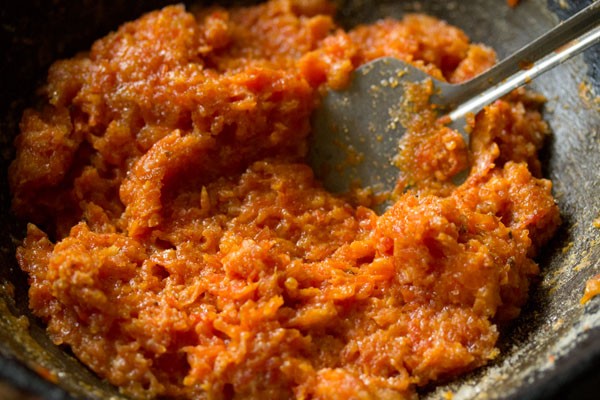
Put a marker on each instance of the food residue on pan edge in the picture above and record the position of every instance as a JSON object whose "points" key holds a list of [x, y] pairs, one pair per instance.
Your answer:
{"points": [[592, 289], [183, 249]]}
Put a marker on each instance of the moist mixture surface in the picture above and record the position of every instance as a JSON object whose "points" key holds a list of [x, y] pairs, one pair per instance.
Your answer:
{"points": [[181, 247]]}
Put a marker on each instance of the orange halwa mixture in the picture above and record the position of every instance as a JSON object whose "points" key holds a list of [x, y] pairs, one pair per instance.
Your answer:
{"points": [[183, 249]]}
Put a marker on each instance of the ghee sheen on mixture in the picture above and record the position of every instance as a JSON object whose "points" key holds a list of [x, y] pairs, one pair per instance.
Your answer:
{"points": [[182, 248]]}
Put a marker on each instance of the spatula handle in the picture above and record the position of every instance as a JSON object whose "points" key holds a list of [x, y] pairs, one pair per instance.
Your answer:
{"points": [[556, 46]]}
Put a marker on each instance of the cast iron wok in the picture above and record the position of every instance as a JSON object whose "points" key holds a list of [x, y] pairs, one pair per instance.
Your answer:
{"points": [[552, 349]]}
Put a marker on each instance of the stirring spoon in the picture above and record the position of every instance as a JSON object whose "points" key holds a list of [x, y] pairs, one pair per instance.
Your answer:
{"points": [[356, 131]]}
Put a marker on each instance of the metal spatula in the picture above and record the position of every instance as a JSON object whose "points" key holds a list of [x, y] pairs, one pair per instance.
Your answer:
{"points": [[359, 118]]}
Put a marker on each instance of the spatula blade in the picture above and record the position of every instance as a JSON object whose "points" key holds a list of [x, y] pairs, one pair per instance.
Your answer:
{"points": [[356, 131]]}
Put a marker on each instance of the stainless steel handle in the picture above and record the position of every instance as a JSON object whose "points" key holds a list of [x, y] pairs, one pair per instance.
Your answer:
{"points": [[558, 45]]}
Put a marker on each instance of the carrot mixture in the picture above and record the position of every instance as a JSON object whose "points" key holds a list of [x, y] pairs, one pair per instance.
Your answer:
{"points": [[180, 246]]}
